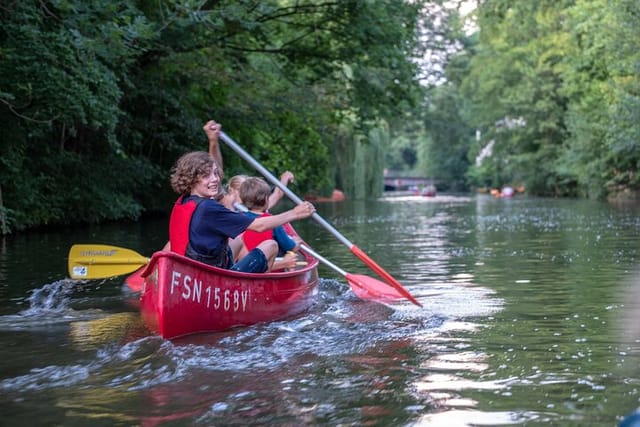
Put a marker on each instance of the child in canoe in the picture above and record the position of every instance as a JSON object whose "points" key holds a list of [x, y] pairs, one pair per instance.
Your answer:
{"points": [[254, 193], [231, 198]]}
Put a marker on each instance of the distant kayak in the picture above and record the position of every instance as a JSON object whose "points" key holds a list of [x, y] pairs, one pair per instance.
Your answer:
{"points": [[428, 191], [507, 192], [336, 196]]}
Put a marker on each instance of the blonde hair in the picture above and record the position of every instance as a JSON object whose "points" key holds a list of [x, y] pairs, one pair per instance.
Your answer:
{"points": [[254, 193], [235, 182], [189, 169]]}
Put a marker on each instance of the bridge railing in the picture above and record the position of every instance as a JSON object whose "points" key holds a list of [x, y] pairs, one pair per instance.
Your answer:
{"points": [[405, 183]]}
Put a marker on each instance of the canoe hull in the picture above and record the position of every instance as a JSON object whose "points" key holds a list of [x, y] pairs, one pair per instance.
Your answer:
{"points": [[181, 296]]}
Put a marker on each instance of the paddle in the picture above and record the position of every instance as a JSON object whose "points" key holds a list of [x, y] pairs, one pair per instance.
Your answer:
{"points": [[135, 281], [366, 288], [353, 248], [102, 261]]}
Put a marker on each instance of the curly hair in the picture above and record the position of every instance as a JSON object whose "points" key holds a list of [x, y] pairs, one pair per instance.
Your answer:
{"points": [[189, 169]]}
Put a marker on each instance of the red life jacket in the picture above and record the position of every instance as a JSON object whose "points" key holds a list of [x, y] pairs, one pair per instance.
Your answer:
{"points": [[179, 223], [252, 239]]}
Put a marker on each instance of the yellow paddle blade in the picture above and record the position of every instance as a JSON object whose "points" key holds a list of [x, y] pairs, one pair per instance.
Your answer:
{"points": [[102, 261]]}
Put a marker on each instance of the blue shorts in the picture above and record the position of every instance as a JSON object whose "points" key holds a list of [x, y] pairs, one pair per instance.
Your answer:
{"points": [[253, 262]]}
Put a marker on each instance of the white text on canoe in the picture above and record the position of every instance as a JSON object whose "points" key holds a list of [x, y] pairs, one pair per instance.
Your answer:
{"points": [[217, 298]]}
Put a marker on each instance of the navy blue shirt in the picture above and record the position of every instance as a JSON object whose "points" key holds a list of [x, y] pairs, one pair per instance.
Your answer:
{"points": [[212, 225]]}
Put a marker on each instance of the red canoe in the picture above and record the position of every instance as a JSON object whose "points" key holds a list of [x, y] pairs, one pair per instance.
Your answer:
{"points": [[181, 296]]}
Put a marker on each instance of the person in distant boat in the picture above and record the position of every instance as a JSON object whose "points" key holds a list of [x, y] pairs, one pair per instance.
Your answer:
{"points": [[200, 227], [255, 193]]}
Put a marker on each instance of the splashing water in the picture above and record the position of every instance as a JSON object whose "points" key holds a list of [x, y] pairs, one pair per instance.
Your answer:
{"points": [[52, 297]]}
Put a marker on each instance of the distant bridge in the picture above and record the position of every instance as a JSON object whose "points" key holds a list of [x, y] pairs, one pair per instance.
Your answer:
{"points": [[394, 183]]}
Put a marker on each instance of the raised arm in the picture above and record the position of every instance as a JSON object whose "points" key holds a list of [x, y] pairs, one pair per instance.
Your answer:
{"points": [[277, 194], [212, 129]]}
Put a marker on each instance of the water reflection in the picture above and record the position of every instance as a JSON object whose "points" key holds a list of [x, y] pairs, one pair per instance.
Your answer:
{"points": [[467, 418], [530, 318], [105, 328], [629, 325]]}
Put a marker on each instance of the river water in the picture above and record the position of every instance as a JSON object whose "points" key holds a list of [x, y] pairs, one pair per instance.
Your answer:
{"points": [[530, 317]]}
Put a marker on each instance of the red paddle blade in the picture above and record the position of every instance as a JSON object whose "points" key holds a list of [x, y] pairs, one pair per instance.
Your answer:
{"points": [[382, 273], [135, 281], [368, 288]]}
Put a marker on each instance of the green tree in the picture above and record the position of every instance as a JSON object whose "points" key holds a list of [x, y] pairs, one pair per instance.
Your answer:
{"points": [[514, 87], [62, 76], [552, 88], [99, 98], [446, 151], [601, 81]]}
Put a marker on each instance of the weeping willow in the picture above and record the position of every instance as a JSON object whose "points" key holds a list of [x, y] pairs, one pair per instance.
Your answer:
{"points": [[360, 162]]}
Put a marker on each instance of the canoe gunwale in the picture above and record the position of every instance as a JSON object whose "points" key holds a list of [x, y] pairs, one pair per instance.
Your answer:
{"points": [[311, 264]]}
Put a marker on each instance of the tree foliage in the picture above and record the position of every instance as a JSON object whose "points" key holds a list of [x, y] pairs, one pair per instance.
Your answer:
{"points": [[603, 84], [552, 88], [447, 149], [99, 98]]}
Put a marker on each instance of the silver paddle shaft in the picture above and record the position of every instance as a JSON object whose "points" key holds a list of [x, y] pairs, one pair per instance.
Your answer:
{"points": [[275, 181]]}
